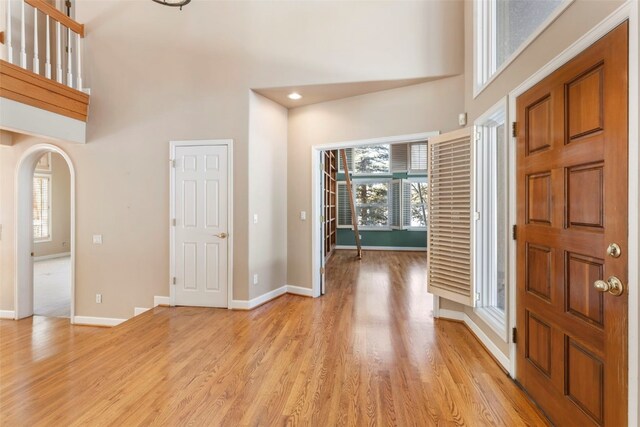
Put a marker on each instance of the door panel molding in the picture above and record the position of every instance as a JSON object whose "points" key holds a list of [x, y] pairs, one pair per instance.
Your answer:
{"points": [[210, 165]]}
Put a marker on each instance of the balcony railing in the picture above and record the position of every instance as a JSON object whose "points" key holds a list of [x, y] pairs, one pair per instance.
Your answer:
{"points": [[45, 41]]}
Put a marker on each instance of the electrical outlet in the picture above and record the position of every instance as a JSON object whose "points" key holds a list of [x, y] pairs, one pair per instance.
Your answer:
{"points": [[98, 298], [255, 279]]}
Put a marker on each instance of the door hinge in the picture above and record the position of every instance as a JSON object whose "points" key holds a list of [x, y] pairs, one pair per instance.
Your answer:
{"points": [[321, 270], [173, 222], [514, 335], [477, 296], [174, 281], [173, 162], [321, 219], [514, 129], [514, 232]]}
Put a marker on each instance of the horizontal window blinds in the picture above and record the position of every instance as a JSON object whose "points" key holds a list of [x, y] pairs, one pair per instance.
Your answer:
{"points": [[41, 207], [450, 268], [418, 157], [399, 157], [349, 153], [396, 195], [344, 208]]}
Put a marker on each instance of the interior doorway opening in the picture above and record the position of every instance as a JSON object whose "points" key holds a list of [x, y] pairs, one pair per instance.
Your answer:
{"points": [[44, 251], [51, 236]]}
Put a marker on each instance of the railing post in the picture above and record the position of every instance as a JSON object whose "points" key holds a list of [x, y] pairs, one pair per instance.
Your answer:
{"points": [[36, 60], [23, 40], [9, 47], [69, 60], [79, 60], [47, 62], [58, 52]]}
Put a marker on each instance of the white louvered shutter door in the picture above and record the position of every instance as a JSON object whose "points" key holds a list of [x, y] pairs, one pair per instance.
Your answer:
{"points": [[406, 204], [399, 158], [344, 208], [396, 200], [450, 225]]}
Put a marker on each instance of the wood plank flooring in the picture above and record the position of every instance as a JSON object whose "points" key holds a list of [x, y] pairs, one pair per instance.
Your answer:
{"points": [[367, 353]]}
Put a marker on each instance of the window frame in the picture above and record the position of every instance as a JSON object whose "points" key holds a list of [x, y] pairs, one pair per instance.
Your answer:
{"points": [[387, 181], [414, 179], [485, 69], [486, 297], [49, 237]]}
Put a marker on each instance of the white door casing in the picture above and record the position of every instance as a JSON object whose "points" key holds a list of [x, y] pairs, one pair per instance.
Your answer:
{"points": [[201, 249]]}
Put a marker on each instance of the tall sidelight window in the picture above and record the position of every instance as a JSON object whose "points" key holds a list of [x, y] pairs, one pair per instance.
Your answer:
{"points": [[503, 28], [41, 207], [491, 206]]}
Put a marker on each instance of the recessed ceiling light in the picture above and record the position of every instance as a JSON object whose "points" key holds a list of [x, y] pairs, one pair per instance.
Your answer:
{"points": [[295, 96]]}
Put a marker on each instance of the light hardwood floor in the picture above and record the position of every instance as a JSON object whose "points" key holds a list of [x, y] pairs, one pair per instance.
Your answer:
{"points": [[367, 353]]}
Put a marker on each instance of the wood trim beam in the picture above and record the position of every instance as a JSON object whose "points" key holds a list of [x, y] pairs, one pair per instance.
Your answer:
{"points": [[24, 86]]}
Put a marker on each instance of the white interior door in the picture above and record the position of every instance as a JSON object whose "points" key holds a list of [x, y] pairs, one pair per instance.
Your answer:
{"points": [[201, 244]]}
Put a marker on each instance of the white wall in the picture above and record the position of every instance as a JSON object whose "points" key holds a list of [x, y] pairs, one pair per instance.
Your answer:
{"points": [[267, 195]]}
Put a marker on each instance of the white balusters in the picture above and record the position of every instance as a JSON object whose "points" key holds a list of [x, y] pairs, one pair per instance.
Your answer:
{"points": [[79, 60], [47, 61], [23, 40], [36, 60], [58, 52], [9, 46], [69, 60]]}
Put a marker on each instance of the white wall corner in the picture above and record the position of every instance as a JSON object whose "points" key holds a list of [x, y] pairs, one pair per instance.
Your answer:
{"points": [[298, 290], [97, 321], [139, 310], [7, 314], [161, 300]]}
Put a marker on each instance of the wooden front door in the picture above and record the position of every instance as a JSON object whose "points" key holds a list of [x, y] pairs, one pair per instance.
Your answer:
{"points": [[572, 204]]}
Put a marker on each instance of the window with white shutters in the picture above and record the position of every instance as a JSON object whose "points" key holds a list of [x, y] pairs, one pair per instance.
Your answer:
{"points": [[41, 207], [399, 158], [396, 204], [418, 157], [450, 225], [344, 208]]}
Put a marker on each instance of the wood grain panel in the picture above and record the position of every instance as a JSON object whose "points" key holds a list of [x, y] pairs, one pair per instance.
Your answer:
{"points": [[584, 100], [583, 300], [585, 196], [24, 86], [538, 343], [538, 269], [585, 380], [538, 126], [368, 353], [539, 202]]}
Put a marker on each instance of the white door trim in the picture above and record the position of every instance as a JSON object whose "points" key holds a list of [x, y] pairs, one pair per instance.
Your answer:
{"points": [[317, 259], [172, 214], [23, 226], [627, 11]]}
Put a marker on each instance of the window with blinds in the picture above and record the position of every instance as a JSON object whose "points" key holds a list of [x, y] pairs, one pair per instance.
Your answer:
{"points": [[41, 207], [344, 208], [418, 157], [399, 158], [450, 225]]}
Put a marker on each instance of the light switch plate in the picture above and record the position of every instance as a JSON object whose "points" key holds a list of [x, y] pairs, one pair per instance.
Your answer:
{"points": [[255, 279], [255, 218], [97, 239], [303, 215]]}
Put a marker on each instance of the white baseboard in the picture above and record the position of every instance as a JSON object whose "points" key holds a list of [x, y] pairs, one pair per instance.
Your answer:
{"points": [[52, 256], [384, 248], [7, 314], [161, 300], [139, 310], [96, 321], [502, 358], [253, 303], [297, 290]]}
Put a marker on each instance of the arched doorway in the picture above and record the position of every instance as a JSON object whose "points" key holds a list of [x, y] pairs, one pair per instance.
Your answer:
{"points": [[23, 294]]}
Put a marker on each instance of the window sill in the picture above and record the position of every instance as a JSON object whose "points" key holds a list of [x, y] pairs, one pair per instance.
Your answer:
{"points": [[48, 239]]}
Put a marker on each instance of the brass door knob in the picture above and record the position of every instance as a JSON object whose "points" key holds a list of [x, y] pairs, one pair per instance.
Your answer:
{"points": [[613, 285], [614, 250], [221, 235]]}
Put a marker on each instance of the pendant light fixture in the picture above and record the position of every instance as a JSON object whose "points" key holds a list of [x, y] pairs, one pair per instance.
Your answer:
{"points": [[173, 3]]}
